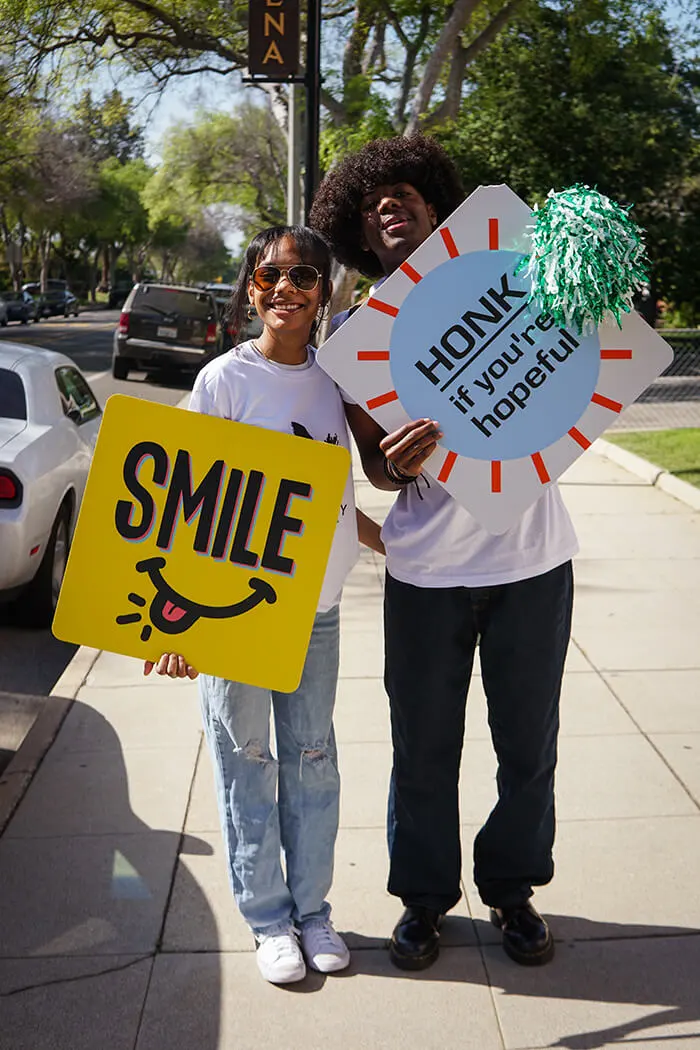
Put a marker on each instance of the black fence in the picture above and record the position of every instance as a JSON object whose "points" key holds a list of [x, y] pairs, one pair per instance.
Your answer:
{"points": [[673, 400]]}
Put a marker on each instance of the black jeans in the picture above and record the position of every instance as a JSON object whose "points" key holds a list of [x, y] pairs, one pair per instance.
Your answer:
{"points": [[522, 630]]}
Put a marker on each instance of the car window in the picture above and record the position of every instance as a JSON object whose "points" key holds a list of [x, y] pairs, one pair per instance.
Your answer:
{"points": [[13, 400], [173, 301], [76, 394], [10, 297]]}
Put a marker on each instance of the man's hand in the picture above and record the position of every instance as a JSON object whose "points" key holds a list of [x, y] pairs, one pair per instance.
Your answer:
{"points": [[409, 446], [171, 664]]}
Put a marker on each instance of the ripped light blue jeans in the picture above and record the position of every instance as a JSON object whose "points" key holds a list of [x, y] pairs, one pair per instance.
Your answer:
{"points": [[289, 804]]}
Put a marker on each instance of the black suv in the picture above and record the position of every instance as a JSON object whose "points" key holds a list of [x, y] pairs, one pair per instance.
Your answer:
{"points": [[57, 301], [165, 326]]}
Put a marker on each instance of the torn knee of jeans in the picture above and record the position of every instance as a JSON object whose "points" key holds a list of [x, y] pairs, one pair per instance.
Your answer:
{"points": [[314, 754], [254, 751]]}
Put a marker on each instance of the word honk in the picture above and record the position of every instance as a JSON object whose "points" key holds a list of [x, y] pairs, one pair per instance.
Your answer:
{"points": [[458, 348]]}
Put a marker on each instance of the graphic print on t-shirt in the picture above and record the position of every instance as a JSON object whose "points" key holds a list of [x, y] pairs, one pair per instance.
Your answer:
{"points": [[299, 430]]}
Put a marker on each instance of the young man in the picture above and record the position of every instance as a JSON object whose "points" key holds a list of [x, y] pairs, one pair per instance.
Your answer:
{"points": [[450, 585]]}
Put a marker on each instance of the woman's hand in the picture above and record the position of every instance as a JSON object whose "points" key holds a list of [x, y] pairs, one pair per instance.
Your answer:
{"points": [[171, 664], [409, 446]]}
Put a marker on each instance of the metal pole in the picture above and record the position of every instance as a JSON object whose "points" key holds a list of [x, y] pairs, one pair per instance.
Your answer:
{"points": [[293, 159], [313, 90]]}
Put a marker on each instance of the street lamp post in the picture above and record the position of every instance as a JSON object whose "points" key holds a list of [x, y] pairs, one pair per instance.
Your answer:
{"points": [[273, 58]]}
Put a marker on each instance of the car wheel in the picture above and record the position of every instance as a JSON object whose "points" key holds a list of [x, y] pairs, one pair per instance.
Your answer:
{"points": [[24, 320], [4, 322], [37, 604], [120, 367]]}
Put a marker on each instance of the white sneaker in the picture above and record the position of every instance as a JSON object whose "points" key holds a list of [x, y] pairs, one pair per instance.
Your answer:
{"points": [[325, 950], [278, 955]]}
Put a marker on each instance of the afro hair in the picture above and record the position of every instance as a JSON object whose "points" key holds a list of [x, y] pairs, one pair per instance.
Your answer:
{"points": [[416, 159]]}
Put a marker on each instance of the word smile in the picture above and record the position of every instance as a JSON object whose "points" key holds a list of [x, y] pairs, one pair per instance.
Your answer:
{"points": [[225, 504]]}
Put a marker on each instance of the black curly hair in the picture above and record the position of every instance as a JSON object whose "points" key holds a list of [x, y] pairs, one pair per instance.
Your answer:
{"points": [[417, 159]]}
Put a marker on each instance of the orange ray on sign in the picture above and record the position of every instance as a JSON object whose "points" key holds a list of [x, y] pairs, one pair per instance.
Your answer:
{"points": [[540, 467], [446, 468], [372, 355], [384, 308], [579, 438], [496, 475], [449, 243], [616, 355], [493, 235], [383, 399], [410, 272], [606, 402]]}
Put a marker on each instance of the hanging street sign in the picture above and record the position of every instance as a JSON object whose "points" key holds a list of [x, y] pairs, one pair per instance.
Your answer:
{"points": [[273, 38]]}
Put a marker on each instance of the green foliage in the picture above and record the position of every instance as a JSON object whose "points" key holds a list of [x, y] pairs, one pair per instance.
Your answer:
{"points": [[238, 160], [108, 126], [606, 103], [677, 451]]}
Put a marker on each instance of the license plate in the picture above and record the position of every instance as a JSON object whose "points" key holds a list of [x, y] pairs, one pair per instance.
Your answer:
{"points": [[166, 333]]}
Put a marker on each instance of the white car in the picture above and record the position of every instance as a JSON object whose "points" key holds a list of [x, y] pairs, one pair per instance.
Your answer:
{"points": [[49, 418]]}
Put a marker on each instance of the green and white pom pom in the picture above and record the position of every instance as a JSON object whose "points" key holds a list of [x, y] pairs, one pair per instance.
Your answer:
{"points": [[588, 258]]}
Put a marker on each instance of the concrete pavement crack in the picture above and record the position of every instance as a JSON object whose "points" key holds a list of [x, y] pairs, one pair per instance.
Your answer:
{"points": [[79, 977]]}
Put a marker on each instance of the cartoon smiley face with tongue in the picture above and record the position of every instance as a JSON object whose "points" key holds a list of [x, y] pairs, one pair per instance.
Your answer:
{"points": [[172, 613]]}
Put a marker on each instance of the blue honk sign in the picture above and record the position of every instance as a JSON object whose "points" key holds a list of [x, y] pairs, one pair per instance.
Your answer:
{"points": [[501, 377], [451, 335]]}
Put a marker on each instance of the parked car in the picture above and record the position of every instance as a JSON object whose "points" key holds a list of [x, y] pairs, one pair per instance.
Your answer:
{"points": [[57, 301], [118, 294], [49, 418], [19, 306], [251, 327], [166, 326]]}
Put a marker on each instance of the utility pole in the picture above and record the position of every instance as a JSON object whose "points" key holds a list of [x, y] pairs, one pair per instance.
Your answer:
{"points": [[313, 96], [293, 158], [273, 58]]}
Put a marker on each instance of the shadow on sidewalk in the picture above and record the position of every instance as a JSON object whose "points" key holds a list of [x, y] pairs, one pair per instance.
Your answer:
{"points": [[86, 887], [596, 962]]}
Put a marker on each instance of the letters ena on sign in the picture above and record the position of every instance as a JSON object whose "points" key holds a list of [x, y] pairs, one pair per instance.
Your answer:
{"points": [[273, 37]]}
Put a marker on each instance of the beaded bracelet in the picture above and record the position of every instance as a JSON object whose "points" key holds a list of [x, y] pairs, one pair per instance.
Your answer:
{"points": [[395, 474]]}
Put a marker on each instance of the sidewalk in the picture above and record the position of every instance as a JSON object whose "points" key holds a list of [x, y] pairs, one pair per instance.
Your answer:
{"points": [[118, 931]]}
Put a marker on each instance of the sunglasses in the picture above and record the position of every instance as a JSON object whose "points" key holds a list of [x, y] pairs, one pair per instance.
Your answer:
{"points": [[303, 277]]}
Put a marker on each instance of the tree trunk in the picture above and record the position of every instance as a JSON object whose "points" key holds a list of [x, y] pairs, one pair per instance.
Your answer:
{"points": [[44, 256]]}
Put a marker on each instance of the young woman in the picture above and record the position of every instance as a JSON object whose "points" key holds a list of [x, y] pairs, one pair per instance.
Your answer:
{"points": [[290, 803]]}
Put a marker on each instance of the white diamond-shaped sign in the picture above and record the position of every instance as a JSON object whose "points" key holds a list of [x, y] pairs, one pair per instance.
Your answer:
{"points": [[451, 336]]}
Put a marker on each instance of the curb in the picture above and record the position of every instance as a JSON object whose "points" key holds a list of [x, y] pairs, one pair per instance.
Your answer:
{"points": [[18, 774], [655, 476]]}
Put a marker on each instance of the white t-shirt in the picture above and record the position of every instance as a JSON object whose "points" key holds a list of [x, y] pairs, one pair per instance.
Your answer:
{"points": [[432, 541], [244, 386], [435, 542]]}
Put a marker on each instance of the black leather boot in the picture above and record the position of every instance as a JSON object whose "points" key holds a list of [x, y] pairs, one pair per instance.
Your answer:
{"points": [[415, 940], [526, 936]]}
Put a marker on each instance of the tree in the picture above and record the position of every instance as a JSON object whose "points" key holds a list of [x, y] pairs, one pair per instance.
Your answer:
{"points": [[237, 160], [414, 51], [108, 126], [607, 103]]}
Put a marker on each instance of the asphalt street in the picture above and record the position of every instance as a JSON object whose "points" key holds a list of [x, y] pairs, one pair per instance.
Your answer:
{"points": [[31, 662]]}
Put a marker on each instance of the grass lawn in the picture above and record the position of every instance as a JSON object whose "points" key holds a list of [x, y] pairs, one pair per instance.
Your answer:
{"points": [[675, 450]]}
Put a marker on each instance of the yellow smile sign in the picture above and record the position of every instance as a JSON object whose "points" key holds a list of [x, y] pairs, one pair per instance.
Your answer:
{"points": [[205, 537]]}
